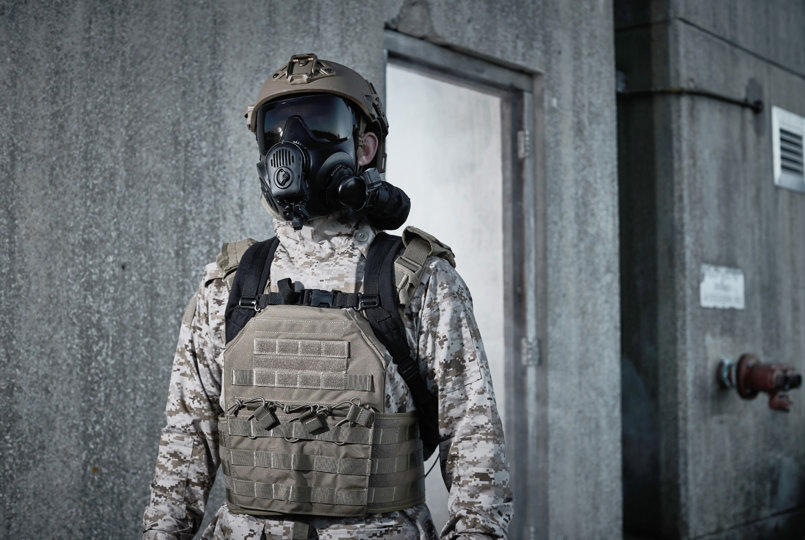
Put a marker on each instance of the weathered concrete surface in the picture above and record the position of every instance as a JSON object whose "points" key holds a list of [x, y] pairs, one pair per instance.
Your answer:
{"points": [[124, 130], [697, 188], [571, 46]]}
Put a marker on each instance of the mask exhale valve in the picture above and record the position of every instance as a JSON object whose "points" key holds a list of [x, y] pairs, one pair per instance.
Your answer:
{"points": [[282, 176]]}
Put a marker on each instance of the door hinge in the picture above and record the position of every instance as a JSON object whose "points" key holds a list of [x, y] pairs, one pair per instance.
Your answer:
{"points": [[530, 352], [523, 144]]}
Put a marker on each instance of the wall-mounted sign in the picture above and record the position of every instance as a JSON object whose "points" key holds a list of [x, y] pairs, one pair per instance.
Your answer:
{"points": [[721, 287]]}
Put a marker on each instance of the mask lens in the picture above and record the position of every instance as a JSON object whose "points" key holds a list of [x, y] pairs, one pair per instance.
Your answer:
{"points": [[328, 118]]}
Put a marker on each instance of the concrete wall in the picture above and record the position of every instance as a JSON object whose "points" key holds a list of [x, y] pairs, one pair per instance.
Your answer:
{"points": [[697, 188], [127, 163]]}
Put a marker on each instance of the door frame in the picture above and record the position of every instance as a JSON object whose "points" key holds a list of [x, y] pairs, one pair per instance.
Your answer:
{"points": [[524, 269]]}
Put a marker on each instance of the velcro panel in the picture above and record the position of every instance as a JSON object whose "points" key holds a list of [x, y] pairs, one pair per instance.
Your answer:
{"points": [[284, 379], [301, 347], [301, 354], [304, 379], [296, 363], [243, 377]]}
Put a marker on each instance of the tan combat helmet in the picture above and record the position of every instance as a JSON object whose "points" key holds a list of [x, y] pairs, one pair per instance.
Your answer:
{"points": [[307, 74]]}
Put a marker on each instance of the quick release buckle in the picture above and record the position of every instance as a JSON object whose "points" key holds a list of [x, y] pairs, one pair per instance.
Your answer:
{"points": [[367, 301], [248, 302], [319, 298]]}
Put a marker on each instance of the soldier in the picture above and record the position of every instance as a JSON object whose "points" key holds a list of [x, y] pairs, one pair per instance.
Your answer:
{"points": [[321, 367]]}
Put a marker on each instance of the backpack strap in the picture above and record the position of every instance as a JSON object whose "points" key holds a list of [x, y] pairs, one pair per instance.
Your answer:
{"points": [[229, 257], [388, 326], [250, 278], [409, 267]]}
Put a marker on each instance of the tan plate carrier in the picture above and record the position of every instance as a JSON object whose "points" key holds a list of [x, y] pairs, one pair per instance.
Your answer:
{"points": [[305, 431]]}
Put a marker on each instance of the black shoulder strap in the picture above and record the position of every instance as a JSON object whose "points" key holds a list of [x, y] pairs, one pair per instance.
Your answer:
{"points": [[388, 326], [250, 281]]}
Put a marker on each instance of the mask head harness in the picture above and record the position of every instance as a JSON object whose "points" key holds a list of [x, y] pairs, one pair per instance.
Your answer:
{"points": [[308, 120]]}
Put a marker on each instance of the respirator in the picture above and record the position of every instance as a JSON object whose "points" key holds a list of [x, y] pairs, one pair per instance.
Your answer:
{"points": [[308, 146]]}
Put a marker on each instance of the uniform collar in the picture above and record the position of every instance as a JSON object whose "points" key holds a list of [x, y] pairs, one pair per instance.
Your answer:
{"points": [[327, 235]]}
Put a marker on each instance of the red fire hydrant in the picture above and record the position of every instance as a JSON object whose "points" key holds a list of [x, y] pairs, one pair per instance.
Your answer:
{"points": [[750, 376]]}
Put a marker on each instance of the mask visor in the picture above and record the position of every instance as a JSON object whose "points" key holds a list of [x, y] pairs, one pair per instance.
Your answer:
{"points": [[328, 119]]}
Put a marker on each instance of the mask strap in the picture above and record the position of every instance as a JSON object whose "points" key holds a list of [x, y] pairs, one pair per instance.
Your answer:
{"points": [[360, 132]]}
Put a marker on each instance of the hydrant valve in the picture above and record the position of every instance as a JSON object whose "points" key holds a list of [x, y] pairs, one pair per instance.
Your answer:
{"points": [[750, 376]]}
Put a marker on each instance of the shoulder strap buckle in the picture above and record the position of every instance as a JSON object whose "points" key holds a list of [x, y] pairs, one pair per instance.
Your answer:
{"points": [[367, 301], [319, 298], [249, 303], [410, 266]]}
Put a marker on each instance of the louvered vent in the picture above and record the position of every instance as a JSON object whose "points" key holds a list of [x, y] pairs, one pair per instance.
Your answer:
{"points": [[791, 151], [788, 130]]}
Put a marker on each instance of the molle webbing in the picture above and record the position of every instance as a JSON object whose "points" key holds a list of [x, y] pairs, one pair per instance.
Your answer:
{"points": [[374, 499], [349, 477], [383, 431], [304, 430], [295, 462]]}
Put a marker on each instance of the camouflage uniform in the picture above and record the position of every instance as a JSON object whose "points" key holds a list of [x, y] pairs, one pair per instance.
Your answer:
{"points": [[330, 254]]}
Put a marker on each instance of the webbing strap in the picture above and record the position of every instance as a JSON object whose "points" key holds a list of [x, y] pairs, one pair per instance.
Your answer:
{"points": [[298, 494], [301, 462], [250, 280], [337, 434], [358, 415], [410, 266], [388, 326], [312, 298], [302, 379], [373, 496]]}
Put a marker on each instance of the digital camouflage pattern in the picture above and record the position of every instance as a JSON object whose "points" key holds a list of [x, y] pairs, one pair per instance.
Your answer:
{"points": [[330, 254]]}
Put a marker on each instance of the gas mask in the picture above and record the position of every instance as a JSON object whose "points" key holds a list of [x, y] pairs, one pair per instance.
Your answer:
{"points": [[308, 146]]}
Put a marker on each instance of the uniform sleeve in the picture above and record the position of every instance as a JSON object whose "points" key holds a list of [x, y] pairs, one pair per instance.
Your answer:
{"points": [[472, 450], [188, 447]]}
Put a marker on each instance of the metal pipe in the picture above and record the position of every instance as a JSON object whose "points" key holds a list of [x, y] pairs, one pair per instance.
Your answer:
{"points": [[756, 105]]}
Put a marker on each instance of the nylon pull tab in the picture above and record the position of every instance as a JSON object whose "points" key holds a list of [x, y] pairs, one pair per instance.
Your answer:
{"points": [[358, 415], [265, 418], [314, 423]]}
